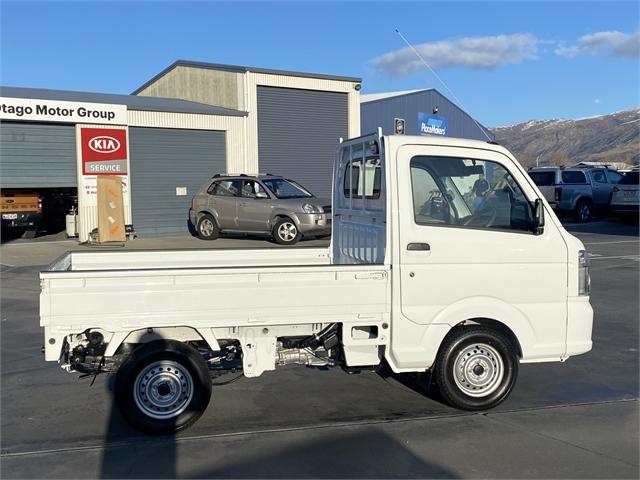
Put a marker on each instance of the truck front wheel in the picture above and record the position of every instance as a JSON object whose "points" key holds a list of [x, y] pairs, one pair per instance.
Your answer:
{"points": [[163, 387], [476, 368]]}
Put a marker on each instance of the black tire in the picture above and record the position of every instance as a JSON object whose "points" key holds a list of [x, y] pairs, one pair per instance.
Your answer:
{"points": [[207, 227], [583, 211], [185, 364], [476, 344], [285, 232]]}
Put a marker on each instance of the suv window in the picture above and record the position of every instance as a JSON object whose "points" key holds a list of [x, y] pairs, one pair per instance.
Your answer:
{"points": [[467, 193], [224, 188], [598, 176], [252, 189], [543, 179], [573, 176]]}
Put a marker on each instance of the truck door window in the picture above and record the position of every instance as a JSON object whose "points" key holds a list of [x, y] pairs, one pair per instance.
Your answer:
{"points": [[467, 193], [598, 176]]}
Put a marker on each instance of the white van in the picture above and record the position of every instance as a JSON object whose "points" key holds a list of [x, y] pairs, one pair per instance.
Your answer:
{"points": [[432, 267]]}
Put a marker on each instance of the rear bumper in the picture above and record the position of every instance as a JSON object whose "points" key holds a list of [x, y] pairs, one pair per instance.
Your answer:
{"points": [[579, 326], [29, 219], [314, 223]]}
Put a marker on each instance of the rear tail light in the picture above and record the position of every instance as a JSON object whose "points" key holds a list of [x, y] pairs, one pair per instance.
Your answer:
{"points": [[558, 193]]}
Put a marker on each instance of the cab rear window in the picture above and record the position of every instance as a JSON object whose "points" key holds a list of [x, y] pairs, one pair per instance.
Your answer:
{"points": [[543, 179], [573, 177]]}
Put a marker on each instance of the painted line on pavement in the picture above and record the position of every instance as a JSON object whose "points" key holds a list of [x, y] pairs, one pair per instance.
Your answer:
{"points": [[606, 243], [150, 441]]}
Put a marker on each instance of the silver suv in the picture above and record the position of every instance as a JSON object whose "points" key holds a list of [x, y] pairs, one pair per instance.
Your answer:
{"points": [[259, 204], [576, 190]]}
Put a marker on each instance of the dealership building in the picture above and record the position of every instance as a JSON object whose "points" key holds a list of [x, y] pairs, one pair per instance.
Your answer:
{"points": [[191, 121]]}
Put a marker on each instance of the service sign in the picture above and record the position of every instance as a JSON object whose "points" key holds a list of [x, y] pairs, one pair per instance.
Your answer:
{"points": [[59, 111], [104, 151], [431, 124]]}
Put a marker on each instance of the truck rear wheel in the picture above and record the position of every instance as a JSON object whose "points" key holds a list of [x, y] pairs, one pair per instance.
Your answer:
{"points": [[583, 212], [163, 387], [476, 368]]}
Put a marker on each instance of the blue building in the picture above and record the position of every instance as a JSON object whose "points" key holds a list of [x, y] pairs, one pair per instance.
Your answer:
{"points": [[424, 112]]}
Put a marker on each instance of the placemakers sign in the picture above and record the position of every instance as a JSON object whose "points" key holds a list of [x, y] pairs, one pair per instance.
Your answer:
{"points": [[431, 124], [59, 111], [104, 151]]}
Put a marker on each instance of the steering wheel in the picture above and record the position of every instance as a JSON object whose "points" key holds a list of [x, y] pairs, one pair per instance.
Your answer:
{"points": [[487, 210]]}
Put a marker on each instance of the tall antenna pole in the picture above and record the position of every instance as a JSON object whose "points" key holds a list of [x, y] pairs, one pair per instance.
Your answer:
{"points": [[442, 82]]}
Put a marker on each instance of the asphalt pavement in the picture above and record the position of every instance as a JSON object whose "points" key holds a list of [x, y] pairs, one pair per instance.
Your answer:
{"points": [[578, 419]]}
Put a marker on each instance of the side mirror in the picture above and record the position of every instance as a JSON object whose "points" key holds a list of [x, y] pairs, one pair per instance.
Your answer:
{"points": [[538, 217], [262, 195]]}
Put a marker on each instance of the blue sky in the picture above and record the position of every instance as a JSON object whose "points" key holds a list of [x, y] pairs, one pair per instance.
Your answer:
{"points": [[506, 61]]}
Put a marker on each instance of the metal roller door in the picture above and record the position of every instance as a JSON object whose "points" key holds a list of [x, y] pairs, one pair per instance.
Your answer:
{"points": [[37, 155], [298, 133], [163, 160]]}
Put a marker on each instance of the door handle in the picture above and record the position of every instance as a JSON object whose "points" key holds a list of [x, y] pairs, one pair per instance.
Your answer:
{"points": [[423, 247]]}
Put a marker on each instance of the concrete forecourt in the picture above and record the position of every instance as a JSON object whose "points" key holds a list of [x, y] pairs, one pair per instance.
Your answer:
{"points": [[577, 420]]}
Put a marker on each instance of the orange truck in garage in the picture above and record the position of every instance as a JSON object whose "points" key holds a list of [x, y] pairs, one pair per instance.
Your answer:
{"points": [[21, 210]]}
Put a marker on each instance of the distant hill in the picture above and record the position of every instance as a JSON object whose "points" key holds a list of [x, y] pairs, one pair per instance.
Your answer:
{"points": [[606, 138]]}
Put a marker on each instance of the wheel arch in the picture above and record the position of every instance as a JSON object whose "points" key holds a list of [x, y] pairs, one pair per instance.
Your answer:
{"points": [[149, 334]]}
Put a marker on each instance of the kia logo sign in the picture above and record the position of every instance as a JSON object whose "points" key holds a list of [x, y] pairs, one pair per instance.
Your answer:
{"points": [[104, 144], [104, 151]]}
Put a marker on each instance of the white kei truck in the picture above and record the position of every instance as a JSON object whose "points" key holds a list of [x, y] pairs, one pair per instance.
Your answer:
{"points": [[428, 271]]}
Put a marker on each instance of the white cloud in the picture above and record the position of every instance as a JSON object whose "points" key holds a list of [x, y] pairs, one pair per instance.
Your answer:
{"points": [[483, 53], [607, 44], [597, 101]]}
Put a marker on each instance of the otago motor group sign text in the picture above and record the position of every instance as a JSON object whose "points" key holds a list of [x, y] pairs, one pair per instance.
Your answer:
{"points": [[59, 111]]}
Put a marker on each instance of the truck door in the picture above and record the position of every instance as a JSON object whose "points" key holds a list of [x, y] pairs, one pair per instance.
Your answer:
{"points": [[466, 246], [223, 202], [602, 189], [254, 207]]}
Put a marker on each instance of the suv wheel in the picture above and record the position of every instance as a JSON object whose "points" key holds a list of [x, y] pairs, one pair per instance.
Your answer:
{"points": [[285, 232], [583, 211], [207, 227]]}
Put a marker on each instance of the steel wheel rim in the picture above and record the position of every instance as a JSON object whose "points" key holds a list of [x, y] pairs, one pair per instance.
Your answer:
{"points": [[287, 231], [206, 227], [478, 370], [163, 389]]}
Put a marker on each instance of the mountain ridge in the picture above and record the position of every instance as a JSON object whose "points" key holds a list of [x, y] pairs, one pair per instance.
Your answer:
{"points": [[609, 138]]}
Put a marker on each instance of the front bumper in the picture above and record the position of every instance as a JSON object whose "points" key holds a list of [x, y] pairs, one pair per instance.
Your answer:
{"points": [[314, 223], [579, 326]]}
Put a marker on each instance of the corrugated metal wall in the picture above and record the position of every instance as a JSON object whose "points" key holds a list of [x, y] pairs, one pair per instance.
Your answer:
{"points": [[298, 133], [233, 126], [380, 113], [163, 159], [37, 155]]}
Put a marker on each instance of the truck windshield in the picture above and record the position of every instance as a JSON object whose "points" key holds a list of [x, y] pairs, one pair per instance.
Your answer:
{"points": [[543, 179], [283, 188]]}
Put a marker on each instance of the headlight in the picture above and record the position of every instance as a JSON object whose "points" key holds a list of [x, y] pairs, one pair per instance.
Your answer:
{"points": [[308, 208], [584, 280]]}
